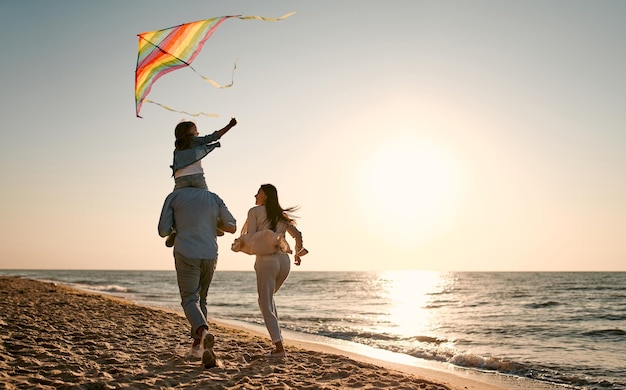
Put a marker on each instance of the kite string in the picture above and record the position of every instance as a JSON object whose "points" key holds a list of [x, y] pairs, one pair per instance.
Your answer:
{"points": [[214, 83], [197, 114], [265, 19]]}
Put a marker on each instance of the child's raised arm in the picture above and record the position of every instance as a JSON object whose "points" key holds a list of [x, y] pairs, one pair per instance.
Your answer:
{"points": [[229, 126]]}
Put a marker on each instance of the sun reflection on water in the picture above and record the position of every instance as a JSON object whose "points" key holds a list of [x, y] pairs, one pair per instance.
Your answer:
{"points": [[409, 294]]}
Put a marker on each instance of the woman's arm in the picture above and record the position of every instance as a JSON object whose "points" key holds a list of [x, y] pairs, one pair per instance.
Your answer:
{"points": [[251, 223], [295, 233]]}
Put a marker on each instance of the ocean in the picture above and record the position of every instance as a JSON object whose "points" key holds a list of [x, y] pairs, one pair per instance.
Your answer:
{"points": [[563, 329]]}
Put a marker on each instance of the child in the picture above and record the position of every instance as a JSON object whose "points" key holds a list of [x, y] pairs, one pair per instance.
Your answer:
{"points": [[190, 150]]}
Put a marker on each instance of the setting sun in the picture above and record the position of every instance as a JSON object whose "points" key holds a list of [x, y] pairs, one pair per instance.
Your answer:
{"points": [[413, 185]]}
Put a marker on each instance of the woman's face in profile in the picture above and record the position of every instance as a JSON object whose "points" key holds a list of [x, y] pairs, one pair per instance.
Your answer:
{"points": [[260, 197]]}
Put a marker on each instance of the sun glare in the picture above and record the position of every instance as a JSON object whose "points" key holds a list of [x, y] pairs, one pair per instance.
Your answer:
{"points": [[409, 292], [410, 186]]}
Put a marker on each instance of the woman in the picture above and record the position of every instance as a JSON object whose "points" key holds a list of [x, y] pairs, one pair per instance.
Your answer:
{"points": [[272, 270]]}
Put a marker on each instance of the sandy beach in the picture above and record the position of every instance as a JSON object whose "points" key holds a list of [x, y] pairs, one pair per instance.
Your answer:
{"points": [[57, 337]]}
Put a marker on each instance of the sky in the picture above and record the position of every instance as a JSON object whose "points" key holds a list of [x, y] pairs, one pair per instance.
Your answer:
{"points": [[433, 135]]}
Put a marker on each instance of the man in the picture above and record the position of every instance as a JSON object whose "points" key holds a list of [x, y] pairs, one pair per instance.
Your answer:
{"points": [[195, 212]]}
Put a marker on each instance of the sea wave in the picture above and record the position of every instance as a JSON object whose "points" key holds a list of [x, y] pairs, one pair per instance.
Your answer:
{"points": [[542, 305], [491, 363], [108, 288], [605, 333]]}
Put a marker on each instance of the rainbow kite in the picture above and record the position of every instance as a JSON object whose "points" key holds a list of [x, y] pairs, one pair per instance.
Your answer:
{"points": [[164, 51]]}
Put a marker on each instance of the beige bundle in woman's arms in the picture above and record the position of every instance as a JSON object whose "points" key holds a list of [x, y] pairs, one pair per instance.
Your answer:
{"points": [[263, 242]]}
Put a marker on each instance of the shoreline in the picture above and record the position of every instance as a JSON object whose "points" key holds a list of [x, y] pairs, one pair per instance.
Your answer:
{"points": [[56, 336], [456, 377]]}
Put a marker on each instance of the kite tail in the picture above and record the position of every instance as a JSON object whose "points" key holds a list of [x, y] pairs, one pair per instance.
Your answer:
{"points": [[215, 83], [197, 114], [208, 80], [264, 18]]}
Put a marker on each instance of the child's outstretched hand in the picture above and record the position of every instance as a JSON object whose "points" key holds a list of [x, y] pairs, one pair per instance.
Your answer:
{"points": [[229, 126]]}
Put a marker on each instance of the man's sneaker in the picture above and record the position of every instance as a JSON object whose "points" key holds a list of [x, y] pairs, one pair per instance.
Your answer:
{"points": [[169, 241], [209, 359]]}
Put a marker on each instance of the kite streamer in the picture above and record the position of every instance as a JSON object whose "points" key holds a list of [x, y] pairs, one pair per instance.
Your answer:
{"points": [[182, 112], [169, 49]]}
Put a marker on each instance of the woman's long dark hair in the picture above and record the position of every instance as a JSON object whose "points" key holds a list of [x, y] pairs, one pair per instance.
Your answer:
{"points": [[275, 212], [183, 138]]}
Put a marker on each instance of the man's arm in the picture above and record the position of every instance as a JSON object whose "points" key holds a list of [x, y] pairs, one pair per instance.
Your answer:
{"points": [[227, 222], [229, 228], [166, 221]]}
